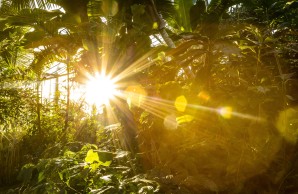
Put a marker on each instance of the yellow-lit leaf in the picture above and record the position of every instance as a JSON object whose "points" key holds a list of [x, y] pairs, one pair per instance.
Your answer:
{"points": [[155, 26], [95, 161], [161, 56], [94, 166], [92, 157]]}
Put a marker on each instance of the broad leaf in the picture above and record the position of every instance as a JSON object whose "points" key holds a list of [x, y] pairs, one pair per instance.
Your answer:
{"points": [[92, 157]]}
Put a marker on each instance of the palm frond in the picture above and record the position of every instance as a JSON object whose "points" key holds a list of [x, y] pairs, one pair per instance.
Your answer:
{"points": [[41, 59], [166, 8], [94, 9], [30, 4], [32, 16]]}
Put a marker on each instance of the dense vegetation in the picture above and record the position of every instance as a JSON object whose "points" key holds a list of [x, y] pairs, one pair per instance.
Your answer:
{"points": [[208, 99]]}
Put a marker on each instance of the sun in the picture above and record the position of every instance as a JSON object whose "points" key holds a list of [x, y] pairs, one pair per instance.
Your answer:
{"points": [[100, 89]]}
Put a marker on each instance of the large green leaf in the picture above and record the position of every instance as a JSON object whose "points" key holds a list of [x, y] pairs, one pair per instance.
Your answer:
{"points": [[98, 159], [92, 157]]}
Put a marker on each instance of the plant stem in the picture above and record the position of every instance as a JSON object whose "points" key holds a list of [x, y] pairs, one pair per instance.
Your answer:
{"points": [[67, 98]]}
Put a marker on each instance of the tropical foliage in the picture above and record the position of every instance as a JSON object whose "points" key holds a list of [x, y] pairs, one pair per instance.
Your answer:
{"points": [[207, 103]]}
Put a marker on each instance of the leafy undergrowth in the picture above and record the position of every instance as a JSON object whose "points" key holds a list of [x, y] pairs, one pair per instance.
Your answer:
{"points": [[85, 169]]}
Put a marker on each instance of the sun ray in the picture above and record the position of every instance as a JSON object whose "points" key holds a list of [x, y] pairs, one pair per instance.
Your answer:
{"points": [[110, 115], [162, 108], [159, 108], [136, 67], [154, 105]]}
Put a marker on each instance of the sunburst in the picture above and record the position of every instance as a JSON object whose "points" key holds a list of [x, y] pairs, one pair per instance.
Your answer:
{"points": [[100, 89]]}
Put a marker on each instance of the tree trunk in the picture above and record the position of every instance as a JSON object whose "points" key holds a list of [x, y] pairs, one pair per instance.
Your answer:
{"points": [[161, 23], [38, 106]]}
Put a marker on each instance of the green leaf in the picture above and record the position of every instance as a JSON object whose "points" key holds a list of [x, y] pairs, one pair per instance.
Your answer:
{"points": [[88, 147], [87, 44], [155, 26], [60, 175], [105, 156], [98, 159], [92, 157], [94, 166], [243, 47], [69, 153], [161, 56], [107, 163], [41, 176], [26, 173], [110, 8]]}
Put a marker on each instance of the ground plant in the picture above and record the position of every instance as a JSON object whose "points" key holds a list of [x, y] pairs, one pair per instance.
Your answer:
{"points": [[148, 96]]}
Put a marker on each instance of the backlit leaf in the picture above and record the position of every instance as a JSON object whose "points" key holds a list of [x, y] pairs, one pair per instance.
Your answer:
{"points": [[41, 176], [91, 157], [155, 26]]}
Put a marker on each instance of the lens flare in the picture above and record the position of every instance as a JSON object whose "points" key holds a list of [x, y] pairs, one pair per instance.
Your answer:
{"points": [[204, 96], [287, 124], [170, 122], [226, 112], [181, 103], [135, 95]]}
